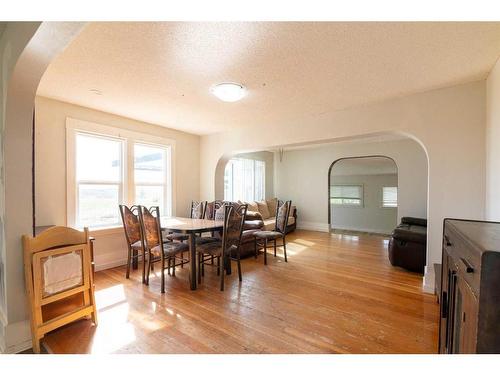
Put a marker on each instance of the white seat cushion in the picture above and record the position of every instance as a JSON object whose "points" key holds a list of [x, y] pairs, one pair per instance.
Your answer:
{"points": [[270, 223]]}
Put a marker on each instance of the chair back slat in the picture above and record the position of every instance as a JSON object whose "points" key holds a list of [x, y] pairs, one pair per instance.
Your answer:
{"points": [[234, 218], [131, 225], [282, 213], [198, 209], [150, 224]]}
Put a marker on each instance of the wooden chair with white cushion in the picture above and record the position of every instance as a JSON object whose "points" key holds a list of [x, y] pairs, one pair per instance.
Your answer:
{"points": [[58, 266]]}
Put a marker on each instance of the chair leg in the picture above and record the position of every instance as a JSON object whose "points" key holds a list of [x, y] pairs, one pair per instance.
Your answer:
{"points": [[173, 266], [182, 260], [148, 267], [255, 247], [129, 259], [200, 257], [275, 247], [265, 251], [36, 344], [221, 270], [218, 266], [203, 266], [168, 267], [239, 266], [212, 260], [163, 273], [143, 266], [284, 248]]}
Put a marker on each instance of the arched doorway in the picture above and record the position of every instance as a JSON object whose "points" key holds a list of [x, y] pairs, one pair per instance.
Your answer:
{"points": [[363, 195]]}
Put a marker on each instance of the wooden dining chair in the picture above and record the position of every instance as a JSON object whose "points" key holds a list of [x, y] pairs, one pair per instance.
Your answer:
{"points": [[58, 269], [158, 250], [228, 248], [262, 238], [133, 235]]}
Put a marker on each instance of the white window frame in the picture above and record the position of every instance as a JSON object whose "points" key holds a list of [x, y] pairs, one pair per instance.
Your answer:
{"points": [[254, 177], [350, 205], [382, 203], [75, 126]]}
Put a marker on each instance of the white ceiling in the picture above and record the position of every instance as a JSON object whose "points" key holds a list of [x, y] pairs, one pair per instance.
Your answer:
{"points": [[364, 166], [162, 72]]}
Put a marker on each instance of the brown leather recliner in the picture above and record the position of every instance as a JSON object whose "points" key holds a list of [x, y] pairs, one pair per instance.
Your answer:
{"points": [[408, 243]]}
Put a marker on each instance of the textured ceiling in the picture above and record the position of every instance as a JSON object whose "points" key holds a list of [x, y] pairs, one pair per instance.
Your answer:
{"points": [[162, 72]]}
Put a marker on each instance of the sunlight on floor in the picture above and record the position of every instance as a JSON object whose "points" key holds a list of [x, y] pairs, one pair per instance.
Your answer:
{"points": [[110, 296], [114, 330]]}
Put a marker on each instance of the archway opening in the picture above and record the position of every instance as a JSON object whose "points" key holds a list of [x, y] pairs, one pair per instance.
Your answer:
{"points": [[363, 195]]}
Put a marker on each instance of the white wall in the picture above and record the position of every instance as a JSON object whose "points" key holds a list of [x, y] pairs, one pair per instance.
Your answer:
{"points": [[302, 176], [448, 122], [50, 169], [493, 144], [371, 217]]}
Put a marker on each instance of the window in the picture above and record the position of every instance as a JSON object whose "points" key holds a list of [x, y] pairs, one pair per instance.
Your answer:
{"points": [[111, 167], [99, 179], [150, 171], [389, 196], [244, 179], [346, 195]]}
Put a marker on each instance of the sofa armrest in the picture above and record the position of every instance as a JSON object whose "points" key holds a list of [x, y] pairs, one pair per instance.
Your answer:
{"points": [[414, 221]]}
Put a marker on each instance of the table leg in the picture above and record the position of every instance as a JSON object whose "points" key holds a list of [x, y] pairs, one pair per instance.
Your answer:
{"points": [[192, 260]]}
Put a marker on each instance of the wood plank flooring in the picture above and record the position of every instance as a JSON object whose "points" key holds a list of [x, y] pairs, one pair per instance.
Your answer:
{"points": [[338, 293]]}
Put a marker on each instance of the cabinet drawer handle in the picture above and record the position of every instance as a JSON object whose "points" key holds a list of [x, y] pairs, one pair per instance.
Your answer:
{"points": [[447, 241], [468, 267]]}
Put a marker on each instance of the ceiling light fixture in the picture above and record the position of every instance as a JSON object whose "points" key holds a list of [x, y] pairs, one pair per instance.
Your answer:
{"points": [[229, 92]]}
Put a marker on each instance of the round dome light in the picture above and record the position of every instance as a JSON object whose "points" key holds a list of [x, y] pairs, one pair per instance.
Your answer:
{"points": [[229, 92]]}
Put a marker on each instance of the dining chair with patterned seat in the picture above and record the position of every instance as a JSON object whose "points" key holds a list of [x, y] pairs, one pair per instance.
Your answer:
{"points": [[228, 248], [133, 235], [262, 238], [158, 250]]}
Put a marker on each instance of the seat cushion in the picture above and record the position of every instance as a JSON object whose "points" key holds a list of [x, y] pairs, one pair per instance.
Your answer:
{"points": [[170, 249], [268, 234], [212, 248], [204, 240], [177, 237], [136, 245]]}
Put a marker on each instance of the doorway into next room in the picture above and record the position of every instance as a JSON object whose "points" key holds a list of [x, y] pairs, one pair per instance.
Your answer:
{"points": [[363, 194]]}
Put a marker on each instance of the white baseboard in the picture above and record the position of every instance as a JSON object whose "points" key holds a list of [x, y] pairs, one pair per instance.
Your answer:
{"points": [[366, 230], [429, 282], [111, 264], [314, 226], [17, 337]]}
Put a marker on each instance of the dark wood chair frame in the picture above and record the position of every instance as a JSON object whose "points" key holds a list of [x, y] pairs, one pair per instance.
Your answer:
{"points": [[151, 258], [183, 238], [225, 253], [264, 241], [133, 255]]}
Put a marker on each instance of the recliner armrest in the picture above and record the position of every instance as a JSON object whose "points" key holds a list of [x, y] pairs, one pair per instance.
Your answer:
{"points": [[414, 221]]}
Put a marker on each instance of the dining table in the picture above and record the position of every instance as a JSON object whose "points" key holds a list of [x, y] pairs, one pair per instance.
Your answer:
{"points": [[191, 227]]}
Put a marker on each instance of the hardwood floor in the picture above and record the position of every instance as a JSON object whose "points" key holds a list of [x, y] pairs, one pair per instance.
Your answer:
{"points": [[338, 293]]}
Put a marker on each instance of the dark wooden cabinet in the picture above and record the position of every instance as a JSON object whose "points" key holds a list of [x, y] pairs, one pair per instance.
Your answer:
{"points": [[470, 287]]}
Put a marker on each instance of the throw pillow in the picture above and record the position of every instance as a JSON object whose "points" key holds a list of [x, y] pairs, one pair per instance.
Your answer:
{"points": [[271, 205], [263, 209], [252, 206]]}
